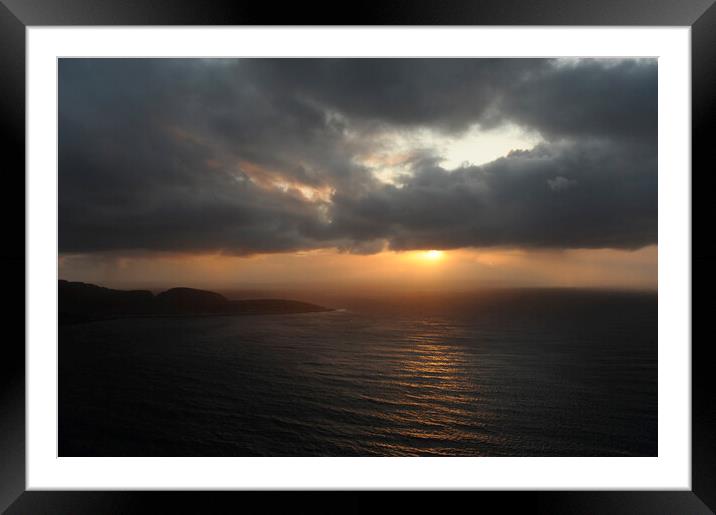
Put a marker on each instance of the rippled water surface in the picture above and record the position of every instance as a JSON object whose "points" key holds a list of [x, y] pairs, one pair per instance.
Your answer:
{"points": [[538, 374]]}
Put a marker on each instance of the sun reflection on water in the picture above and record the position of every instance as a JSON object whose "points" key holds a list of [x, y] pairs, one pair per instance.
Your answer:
{"points": [[439, 403]]}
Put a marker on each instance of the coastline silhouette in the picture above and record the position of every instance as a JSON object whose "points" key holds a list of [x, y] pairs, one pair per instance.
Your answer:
{"points": [[84, 302]]}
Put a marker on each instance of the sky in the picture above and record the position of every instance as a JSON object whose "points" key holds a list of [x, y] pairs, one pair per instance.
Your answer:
{"points": [[430, 173]]}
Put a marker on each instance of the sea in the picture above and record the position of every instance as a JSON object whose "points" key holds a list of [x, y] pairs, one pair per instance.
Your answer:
{"points": [[531, 372]]}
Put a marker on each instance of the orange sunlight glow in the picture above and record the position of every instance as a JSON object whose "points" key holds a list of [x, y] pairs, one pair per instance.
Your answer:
{"points": [[318, 269], [432, 255]]}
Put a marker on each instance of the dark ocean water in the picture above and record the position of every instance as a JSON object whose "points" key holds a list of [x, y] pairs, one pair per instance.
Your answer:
{"points": [[535, 373]]}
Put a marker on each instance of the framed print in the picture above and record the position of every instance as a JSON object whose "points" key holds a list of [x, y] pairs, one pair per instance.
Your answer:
{"points": [[444, 248]]}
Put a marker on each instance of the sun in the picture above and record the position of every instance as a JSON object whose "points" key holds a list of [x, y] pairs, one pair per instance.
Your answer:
{"points": [[433, 255]]}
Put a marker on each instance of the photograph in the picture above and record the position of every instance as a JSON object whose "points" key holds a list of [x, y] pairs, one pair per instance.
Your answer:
{"points": [[374, 257]]}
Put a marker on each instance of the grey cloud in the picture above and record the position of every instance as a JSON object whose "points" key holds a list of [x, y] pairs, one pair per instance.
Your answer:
{"points": [[246, 156], [589, 99], [560, 183], [506, 203]]}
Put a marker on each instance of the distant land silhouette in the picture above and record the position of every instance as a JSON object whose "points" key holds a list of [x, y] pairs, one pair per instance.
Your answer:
{"points": [[82, 302]]}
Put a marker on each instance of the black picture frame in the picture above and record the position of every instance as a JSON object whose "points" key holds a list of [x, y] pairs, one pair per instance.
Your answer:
{"points": [[16, 15]]}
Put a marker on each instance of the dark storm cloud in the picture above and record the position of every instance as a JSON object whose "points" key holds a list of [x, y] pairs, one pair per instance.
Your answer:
{"points": [[594, 98], [262, 155], [525, 199]]}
